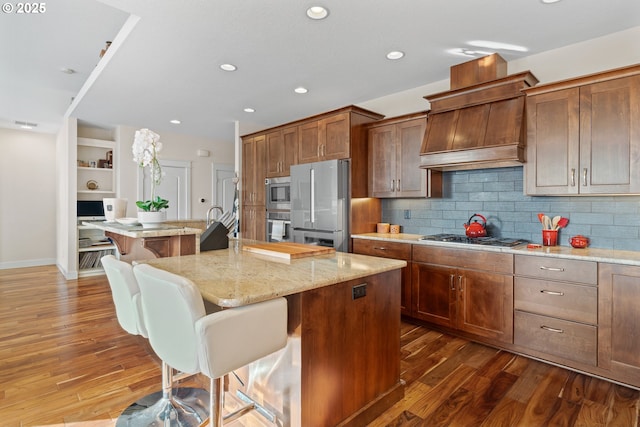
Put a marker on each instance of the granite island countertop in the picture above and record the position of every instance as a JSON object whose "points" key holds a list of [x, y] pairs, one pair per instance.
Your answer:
{"points": [[233, 277], [612, 256], [137, 231]]}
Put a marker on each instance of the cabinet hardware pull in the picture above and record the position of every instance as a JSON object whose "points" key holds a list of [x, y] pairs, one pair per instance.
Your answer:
{"points": [[544, 291], [542, 267], [398, 189], [550, 329], [451, 283], [380, 248], [573, 177], [460, 283], [584, 177], [393, 184]]}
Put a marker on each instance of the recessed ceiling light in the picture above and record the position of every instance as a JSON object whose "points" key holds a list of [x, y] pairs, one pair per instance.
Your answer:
{"points": [[68, 70], [301, 90], [175, 121], [395, 54], [549, 1], [317, 12], [228, 67], [497, 45], [249, 110]]}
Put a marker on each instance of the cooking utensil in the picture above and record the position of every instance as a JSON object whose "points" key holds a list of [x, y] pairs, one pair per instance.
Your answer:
{"points": [[540, 216], [476, 229], [546, 222], [562, 223], [554, 222]]}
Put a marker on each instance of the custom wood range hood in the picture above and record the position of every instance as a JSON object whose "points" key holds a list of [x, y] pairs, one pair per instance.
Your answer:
{"points": [[479, 123]]}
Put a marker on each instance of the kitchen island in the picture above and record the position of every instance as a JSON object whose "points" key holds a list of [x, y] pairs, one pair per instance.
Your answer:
{"points": [[341, 365], [135, 242]]}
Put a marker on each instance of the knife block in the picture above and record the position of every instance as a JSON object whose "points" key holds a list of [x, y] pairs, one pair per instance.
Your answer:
{"points": [[214, 237]]}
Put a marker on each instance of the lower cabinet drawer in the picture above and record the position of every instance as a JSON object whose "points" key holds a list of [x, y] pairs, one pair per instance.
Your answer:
{"points": [[562, 300], [574, 341]]}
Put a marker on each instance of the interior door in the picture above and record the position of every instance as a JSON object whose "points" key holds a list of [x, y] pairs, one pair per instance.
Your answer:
{"points": [[175, 187], [223, 186]]}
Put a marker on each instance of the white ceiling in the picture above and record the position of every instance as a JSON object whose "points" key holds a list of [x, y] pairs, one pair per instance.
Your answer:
{"points": [[167, 66]]}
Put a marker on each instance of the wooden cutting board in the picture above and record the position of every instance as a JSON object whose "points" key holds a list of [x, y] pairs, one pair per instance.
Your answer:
{"points": [[287, 250]]}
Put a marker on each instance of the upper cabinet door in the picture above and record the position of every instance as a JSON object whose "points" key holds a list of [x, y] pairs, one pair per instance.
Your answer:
{"points": [[583, 136], [411, 179], [382, 155], [335, 137], [308, 142], [610, 137], [553, 140], [275, 153]]}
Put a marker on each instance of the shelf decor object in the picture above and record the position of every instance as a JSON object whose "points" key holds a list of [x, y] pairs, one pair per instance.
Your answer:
{"points": [[146, 145]]}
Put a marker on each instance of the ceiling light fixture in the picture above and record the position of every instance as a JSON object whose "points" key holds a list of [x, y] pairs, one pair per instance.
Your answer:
{"points": [[497, 45], [68, 70], [395, 54], [228, 67], [249, 110], [317, 12], [549, 1], [175, 121], [301, 89]]}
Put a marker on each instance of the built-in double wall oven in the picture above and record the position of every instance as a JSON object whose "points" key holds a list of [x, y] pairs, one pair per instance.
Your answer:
{"points": [[278, 192]]}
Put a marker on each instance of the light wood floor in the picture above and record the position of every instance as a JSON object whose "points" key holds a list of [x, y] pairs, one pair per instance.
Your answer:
{"points": [[64, 361]]}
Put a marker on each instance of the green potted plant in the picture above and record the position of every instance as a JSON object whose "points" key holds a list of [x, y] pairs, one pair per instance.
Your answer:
{"points": [[146, 145]]}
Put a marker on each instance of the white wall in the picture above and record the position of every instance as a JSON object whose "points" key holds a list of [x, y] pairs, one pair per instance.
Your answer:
{"points": [[175, 146], [592, 56], [27, 198]]}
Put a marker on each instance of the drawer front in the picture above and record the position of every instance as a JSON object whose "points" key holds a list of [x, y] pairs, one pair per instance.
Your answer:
{"points": [[567, 270], [556, 299], [570, 340], [382, 249], [464, 258]]}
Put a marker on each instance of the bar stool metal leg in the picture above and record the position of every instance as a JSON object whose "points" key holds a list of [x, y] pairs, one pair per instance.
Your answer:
{"points": [[180, 407]]}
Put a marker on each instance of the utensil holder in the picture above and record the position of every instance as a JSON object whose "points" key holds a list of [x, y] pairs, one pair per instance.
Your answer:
{"points": [[549, 237]]}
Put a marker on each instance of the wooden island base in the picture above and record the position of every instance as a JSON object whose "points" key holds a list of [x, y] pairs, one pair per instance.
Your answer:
{"points": [[341, 366]]}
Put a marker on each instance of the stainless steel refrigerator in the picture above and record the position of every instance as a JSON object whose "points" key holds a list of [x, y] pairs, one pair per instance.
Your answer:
{"points": [[320, 203]]}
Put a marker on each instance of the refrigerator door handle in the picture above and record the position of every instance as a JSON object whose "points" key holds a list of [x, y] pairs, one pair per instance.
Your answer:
{"points": [[313, 196]]}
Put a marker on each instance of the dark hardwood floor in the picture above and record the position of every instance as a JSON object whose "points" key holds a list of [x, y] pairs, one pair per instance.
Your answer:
{"points": [[64, 361]]}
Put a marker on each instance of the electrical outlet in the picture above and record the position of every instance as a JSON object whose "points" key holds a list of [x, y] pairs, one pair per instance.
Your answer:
{"points": [[359, 291], [407, 214]]}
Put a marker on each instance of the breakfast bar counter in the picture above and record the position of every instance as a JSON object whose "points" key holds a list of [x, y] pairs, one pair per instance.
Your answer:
{"points": [[341, 365], [135, 242]]}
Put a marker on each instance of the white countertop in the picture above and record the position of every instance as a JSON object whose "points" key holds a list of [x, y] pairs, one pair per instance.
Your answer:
{"points": [[612, 256]]}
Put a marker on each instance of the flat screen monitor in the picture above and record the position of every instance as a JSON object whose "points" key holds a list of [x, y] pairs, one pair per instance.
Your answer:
{"points": [[90, 208]]}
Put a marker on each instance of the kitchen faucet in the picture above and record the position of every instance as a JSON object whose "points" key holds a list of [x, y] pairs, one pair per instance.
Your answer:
{"points": [[209, 219]]}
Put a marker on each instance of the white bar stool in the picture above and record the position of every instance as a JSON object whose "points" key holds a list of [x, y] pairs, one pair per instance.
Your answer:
{"points": [[185, 406], [216, 344]]}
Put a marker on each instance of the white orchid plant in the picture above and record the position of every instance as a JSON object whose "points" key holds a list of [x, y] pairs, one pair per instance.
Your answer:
{"points": [[146, 145]]}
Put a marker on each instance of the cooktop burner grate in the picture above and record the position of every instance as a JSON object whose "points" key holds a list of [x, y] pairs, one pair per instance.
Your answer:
{"points": [[487, 241]]}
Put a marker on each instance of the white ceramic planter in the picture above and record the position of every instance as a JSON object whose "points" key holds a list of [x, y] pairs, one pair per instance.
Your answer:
{"points": [[152, 219]]}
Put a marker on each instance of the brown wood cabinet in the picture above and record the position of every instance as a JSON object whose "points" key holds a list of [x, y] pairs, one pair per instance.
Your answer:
{"points": [[618, 327], [392, 250], [350, 350], [556, 308], [325, 139], [282, 151], [583, 135], [394, 159], [253, 222], [466, 290]]}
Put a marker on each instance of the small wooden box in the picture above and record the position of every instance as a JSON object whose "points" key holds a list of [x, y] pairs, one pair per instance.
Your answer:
{"points": [[477, 71]]}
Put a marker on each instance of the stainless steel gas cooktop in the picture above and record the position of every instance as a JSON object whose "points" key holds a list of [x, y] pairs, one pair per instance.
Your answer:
{"points": [[487, 241]]}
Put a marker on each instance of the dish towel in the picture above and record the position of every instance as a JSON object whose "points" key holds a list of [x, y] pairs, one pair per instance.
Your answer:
{"points": [[277, 231]]}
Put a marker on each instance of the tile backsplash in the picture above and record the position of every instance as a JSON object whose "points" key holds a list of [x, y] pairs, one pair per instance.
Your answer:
{"points": [[611, 222]]}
